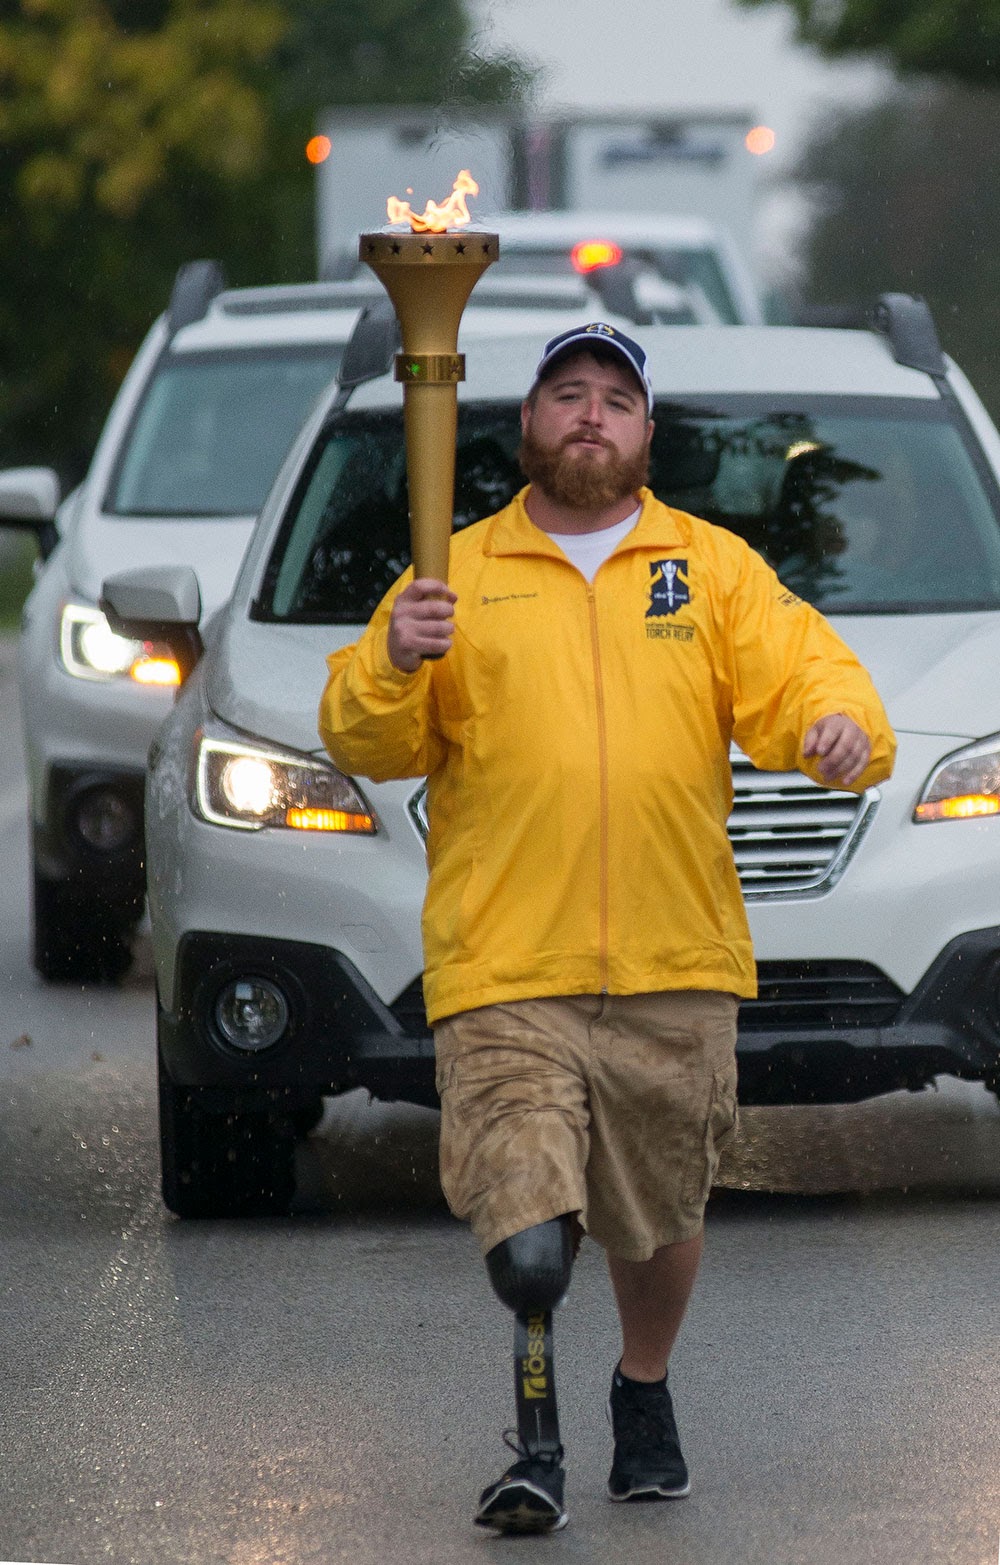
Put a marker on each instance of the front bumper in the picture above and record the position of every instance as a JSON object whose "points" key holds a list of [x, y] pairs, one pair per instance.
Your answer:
{"points": [[820, 1031], [340, 1035], [63, 852], [836, 1032]]}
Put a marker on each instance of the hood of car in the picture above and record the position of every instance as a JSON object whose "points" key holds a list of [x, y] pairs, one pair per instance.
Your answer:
{"points": [[214, 546], [266, 680], [936, 673]]}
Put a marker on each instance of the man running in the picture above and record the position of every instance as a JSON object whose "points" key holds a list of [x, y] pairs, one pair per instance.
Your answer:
{"points": [[571, 698]]}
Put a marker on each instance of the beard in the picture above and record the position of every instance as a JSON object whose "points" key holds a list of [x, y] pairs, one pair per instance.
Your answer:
{"points": [[577, 479]]}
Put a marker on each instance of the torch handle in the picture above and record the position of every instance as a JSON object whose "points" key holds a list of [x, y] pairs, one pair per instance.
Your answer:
{"points": [[430, 421]]}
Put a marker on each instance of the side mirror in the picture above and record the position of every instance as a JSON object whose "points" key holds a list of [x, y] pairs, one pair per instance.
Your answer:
{"points": [[372, 346], [29, 499], [157, 603]]}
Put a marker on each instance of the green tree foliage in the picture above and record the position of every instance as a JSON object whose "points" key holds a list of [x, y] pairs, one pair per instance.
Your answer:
{"points": [[907, 197], [958, 38], [138, 134], [122, 151], [96, 112]]}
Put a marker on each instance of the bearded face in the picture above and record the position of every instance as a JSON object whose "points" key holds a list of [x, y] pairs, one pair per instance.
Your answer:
{"points": [[585, 433], [581, 477]]}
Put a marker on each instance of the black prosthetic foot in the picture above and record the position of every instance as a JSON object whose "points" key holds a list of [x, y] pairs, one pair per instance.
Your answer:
{"points": [[529, 1495]]}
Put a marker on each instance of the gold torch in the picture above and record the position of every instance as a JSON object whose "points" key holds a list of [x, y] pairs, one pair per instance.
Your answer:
{"points": [[429, 274]]}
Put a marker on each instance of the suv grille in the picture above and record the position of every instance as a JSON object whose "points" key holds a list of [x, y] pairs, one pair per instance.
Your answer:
{"points": [[810, 994], [820, 994], [788, 834]]}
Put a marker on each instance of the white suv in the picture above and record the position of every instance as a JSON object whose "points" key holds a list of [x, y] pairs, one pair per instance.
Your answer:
{"points": [[212, 400], [285, 897]]}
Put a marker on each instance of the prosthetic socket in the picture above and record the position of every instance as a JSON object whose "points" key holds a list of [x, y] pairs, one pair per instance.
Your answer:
{"points": [[530, 1273]]}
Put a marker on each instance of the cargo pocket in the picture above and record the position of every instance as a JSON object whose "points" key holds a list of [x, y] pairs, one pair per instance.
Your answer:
{"points": [[720, 1128], [444, 1075]]}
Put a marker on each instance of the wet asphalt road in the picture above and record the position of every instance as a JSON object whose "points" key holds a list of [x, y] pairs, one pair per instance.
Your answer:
{"points": [[332, 1386]]}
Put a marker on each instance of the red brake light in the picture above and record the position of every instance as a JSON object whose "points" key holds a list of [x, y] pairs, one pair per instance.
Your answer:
{"points": [[589, 254]]}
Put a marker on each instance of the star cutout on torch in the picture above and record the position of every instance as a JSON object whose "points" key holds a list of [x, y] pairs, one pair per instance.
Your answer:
{"points": [[428, 248], [397, 248], [460, 248]]}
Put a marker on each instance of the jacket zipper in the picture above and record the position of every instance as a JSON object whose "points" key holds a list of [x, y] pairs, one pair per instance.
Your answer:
{"points": [[602, 762]]}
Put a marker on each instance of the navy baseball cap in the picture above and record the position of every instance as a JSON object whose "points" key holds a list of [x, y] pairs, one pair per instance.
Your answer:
{"points": [[587, 337]]}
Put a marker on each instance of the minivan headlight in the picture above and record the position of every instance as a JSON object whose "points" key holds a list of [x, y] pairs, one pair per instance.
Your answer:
{"points": [[251, 786], [964, 786], [90, 649]]}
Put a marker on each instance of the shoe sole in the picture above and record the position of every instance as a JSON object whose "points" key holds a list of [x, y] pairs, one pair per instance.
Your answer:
{"points": [[521, 1507], [651, 1492]]}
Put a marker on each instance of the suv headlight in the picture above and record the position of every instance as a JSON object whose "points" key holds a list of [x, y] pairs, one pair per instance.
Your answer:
{"points": [[90, 649], [966, 784], [251, 786]]}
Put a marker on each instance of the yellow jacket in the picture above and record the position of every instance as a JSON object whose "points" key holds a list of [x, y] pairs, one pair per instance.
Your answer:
{"points": [[576, 745]]}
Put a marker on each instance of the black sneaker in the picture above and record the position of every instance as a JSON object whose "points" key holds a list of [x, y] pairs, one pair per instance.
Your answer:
{"points": [[529, 1496], [648, 1464]]}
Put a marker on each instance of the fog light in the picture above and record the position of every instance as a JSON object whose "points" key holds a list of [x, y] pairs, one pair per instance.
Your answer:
{"points": [[105, 820], [251, 1014]]}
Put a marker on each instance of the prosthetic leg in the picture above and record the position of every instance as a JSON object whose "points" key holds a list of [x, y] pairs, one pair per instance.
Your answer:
{"points": [[530, 1273]]}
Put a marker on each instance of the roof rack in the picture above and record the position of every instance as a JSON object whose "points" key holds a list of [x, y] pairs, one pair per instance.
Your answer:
{"points": [[195, 286], [904, 319], [615, 287], [291, 298], [907, 321]]}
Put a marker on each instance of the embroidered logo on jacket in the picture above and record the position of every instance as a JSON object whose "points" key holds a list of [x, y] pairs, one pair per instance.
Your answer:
{"points": [[669, 590]]}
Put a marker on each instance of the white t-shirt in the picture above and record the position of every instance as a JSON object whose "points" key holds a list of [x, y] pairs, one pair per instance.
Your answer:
{"points": [[587, 551]]}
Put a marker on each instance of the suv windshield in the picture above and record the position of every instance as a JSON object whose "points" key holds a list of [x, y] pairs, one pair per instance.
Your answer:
{"points": [[212, 428], [861, 505]]}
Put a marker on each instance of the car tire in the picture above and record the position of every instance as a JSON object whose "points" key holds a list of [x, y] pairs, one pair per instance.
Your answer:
{"points": [[219, 1163], [79, 936]]}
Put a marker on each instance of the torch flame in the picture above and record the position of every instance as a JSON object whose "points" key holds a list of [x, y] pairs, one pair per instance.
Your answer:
{"points": [[435, 219]]}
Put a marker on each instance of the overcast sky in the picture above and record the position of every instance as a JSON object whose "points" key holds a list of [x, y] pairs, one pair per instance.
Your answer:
{"points": [[666, 54]]}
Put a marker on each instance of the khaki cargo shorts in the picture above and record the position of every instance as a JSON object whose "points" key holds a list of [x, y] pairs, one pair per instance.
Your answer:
{"points": [[612, 1106]]}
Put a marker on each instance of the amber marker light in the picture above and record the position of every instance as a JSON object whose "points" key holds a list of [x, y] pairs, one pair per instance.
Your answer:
{"points": [[590, 254], [963, 807], [318, 149], [327, 820], [155, 671], [760, 140]]}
